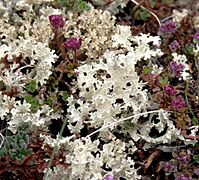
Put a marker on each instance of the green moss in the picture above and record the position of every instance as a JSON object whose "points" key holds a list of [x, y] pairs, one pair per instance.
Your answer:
{"points": [[33, 102], [31, 86]]}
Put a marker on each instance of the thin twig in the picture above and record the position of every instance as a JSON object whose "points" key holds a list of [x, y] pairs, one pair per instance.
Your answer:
{"points": [[189, 106], [55, 149], [150, 159], [18, 70], [2, 141], [152, 13], [121, 120]]}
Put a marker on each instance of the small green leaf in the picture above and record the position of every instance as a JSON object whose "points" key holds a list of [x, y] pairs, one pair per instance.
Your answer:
{"points": [[69, 75], [152, 4], [23, 152], [147, 70], [9, 139], [23, 128], [3, 151], [83, 6], [195, 121], [52, 86], [64, 96], [74, 5], [196, 158], [21, 141], [28, 99], [31, 86], [128, 125], [70, 67], [49, 102], [23, 136], [34, 103], [15, 139], [189, 48], [163, 80], [16, 146], [144, 15], [27, 139], [29, 151], [63, 2], [13, 155], [195, 41], [7, 144]]}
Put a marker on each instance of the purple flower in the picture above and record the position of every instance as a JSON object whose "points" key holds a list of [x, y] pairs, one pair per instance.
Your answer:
{"points": [[170, 90], [72, 43], [196, 171], [57, 21], [169, 168], [178, 103], [176, 68], [168, 27], [196, 36], [183, 159], [174, 45]]}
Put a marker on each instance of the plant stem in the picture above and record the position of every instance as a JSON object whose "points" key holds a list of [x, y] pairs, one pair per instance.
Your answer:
{"points": [[55, 149], [121, 120], [194, 119], [152, 13]]}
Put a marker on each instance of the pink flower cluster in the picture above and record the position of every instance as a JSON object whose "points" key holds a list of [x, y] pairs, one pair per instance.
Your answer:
{"points": [[168, 27], [72, 43], [176, 68], [178, 103], [57, 21]]}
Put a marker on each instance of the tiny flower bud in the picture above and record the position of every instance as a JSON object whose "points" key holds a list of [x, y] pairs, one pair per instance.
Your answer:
{"points": [[176, 68], [196, 171], [57, 21], [168, 167], [196, 36], [72, 43], [178, 103], [170, 90], [174, 45], [168, 27]]}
